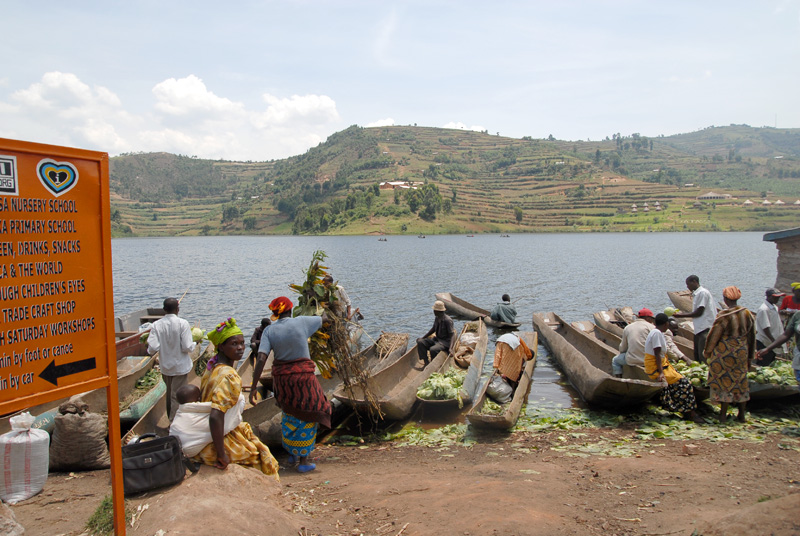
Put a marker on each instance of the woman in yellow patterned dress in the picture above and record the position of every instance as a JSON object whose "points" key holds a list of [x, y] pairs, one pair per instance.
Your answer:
{"points": [[730, 348], [221, 385]]}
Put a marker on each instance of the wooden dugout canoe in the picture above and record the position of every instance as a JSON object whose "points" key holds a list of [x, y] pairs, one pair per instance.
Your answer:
{"points": [[610, 332], [133, 362], [265, 417], [395, 386], [511, 412], [473, 377], [468, 311], [587, 368], [681, 299]]}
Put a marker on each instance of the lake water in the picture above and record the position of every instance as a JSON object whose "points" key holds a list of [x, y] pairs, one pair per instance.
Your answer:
{"points": [[394, 282]]}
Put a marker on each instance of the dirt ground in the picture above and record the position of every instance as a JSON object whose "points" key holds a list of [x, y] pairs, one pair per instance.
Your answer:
{"points": [[514, 485]]}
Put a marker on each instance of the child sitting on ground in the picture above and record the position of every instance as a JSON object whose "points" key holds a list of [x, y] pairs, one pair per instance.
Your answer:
{"points": [[191, 423]]}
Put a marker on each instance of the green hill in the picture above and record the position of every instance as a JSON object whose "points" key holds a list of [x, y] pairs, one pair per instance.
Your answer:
{"points": [[453, 181]]}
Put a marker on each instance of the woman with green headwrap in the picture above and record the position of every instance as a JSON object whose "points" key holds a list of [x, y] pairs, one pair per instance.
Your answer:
{"points": [[221, 385]]}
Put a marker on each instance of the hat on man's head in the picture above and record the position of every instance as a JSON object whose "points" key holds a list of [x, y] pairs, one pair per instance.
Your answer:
{"points": [[645, 312], [438, 306], [774, 292]]}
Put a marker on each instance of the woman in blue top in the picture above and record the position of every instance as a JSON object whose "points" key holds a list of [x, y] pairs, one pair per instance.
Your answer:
{"points": [[297, 391]]}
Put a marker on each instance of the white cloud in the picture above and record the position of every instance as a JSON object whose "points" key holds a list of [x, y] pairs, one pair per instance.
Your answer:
{"points": [[312, 109], [461, 126], [388, 122], [186, 118], [189, 95]]}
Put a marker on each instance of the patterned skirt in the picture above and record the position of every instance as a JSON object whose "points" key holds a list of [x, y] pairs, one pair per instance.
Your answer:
{"points": [[727, 371], [679, 396], [299, 437]]}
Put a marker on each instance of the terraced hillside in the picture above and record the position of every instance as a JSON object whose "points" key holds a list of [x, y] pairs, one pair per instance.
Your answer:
{"points": [[451, 181]]}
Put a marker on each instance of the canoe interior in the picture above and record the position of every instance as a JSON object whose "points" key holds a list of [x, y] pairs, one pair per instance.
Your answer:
{"points": [[460, 307], [395, 385], [511, 412], [589, 372], [474, 370]]}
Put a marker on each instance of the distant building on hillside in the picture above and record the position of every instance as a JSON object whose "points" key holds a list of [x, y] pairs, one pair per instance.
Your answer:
{"points": [[404, 185], [713, 195], [788, 244]]}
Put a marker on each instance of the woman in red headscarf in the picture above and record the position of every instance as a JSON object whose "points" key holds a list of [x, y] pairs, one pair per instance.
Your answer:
{"points": [[730, 349], [297, 390]]}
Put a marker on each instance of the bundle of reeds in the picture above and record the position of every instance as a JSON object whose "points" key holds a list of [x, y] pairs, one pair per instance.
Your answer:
{"points": [[330, 347]]}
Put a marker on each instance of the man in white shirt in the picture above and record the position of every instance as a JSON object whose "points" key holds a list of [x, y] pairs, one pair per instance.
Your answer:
{"points": [[631, 347], [768, 325], [342, 297], [171, 337], [703, 314]]}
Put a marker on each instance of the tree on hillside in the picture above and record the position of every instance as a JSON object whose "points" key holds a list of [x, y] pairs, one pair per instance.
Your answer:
{"points": [[518, 214], [230, 213]]}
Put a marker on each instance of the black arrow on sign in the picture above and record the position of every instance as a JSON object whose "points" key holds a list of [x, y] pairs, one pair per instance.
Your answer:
{"points": [[53, 372]]}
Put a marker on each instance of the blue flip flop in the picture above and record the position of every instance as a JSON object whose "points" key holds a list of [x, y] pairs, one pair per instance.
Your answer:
{"points": [[306, 468], [291, 459]]}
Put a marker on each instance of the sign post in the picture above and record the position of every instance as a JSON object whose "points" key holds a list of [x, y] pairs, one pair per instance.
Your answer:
{"points": [[56, 289]]}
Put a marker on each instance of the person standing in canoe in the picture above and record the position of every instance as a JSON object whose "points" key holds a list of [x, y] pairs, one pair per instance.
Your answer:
{"points": [[730, 349], [505, 311], [255, 339], [678, 395], [768, 325], [344, 305], [443, 338], [703, 314], [297, 390], [221, 385], [792, 330], [171, 337], [791, 303]]}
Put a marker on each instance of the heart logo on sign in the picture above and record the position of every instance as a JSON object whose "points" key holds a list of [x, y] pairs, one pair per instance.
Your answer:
{"points": [[58, 177]]}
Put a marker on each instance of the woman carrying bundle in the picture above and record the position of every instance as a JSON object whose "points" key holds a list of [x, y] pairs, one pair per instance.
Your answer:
{"points": [[221, 385], [730, 348], [297, 391]]}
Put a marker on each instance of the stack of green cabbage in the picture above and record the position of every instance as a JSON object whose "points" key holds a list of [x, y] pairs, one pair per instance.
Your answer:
{"points": [[490, 407], [696, 372], [442, 386], [778, 373]]}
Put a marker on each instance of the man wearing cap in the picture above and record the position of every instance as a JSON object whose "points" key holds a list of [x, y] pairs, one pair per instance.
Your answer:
{"points": [[703, 315], [768, 325], [634, 336], [791, 303], [443, 335]]}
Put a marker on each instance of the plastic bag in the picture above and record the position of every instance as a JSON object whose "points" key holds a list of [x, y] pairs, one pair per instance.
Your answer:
{"points": [[26, 450], [499, 390]]}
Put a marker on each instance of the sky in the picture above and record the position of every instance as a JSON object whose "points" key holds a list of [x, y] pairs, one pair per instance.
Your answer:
{"points": [[262, 80]]}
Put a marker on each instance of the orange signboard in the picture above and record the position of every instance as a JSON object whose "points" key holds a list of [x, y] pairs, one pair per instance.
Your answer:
{"points": [[56, 305]]}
